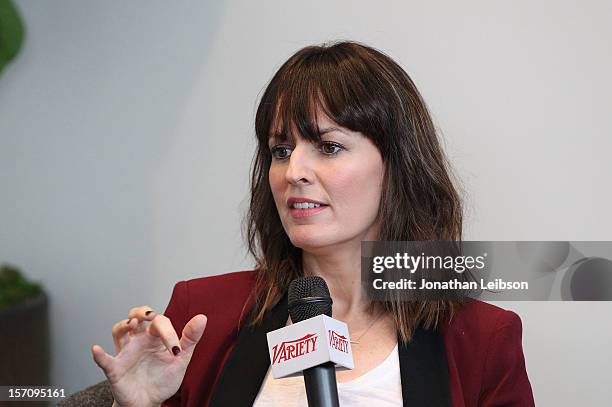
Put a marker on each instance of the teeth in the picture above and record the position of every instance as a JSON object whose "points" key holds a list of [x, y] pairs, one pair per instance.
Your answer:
{"points": [[305, 205]]}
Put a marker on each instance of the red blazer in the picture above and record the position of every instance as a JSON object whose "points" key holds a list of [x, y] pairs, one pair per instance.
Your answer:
{"points": [[475, 360]]}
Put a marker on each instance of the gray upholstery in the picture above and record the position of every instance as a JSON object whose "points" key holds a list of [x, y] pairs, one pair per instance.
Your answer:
{"points": [[98, 395]]}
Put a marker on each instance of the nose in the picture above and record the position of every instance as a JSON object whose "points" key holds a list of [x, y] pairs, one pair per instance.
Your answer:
{"points": [[300, 170]]}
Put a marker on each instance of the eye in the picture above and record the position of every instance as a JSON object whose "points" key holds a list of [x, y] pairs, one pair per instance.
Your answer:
{"points": [[283, 151], [330, 148], [280, 152]]}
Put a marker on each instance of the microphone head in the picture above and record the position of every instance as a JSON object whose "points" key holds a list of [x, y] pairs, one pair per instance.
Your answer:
{"points": [[308, 297]]}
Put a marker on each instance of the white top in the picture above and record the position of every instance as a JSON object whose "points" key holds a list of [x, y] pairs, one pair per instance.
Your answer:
{"points": [[380, 386]]}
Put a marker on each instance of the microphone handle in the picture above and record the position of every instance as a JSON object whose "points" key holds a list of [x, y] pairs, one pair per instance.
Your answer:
{"points": [[321, 387]]}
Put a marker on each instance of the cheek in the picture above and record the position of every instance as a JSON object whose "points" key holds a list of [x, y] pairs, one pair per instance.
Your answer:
{"points": [[276, 181], [357, 189]]}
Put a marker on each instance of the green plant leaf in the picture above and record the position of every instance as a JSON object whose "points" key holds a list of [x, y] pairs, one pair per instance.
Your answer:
{"points": [[14, 288], [11, 32]]}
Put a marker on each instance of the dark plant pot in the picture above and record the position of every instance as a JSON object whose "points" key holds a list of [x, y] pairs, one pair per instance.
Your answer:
{"points": [[24, 343]]}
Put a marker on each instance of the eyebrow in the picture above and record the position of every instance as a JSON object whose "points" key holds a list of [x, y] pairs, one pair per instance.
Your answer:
{"points": [[323, 131], [277, 136], [330, 130]]}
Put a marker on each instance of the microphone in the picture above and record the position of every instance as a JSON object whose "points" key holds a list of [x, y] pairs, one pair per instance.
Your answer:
{"points": [[308, 298], [314, 344]]}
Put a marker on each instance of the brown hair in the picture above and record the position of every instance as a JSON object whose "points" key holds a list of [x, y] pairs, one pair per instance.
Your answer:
{"points": [[364, 90]]}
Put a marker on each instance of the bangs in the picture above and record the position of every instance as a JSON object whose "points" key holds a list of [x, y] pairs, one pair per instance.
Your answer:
{"points": [[296, 112], [315, 82]]}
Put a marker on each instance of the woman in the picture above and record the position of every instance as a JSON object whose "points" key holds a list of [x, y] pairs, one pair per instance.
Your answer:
{"points": [[347, 152]]}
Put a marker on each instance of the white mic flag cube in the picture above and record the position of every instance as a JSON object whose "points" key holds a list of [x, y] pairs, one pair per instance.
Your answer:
{"points": [[309, 343]]}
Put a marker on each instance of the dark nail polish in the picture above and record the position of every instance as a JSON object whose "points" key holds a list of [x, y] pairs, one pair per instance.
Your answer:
{"points": [[175, 350], [147, 313]]}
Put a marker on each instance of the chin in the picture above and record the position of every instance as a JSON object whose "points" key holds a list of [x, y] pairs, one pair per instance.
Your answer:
{"points": [[308, 241], [315, 243], [309, 244]]}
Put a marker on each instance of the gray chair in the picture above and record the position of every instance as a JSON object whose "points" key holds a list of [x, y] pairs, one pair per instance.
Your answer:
{"points": [[98, 395]]}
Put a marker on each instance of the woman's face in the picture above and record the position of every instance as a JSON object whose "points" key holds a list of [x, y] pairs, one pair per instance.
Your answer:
{"points": [[344, 174]]}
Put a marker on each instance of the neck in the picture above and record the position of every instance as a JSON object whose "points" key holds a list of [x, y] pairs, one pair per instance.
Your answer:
{"points": [[341, 269]]}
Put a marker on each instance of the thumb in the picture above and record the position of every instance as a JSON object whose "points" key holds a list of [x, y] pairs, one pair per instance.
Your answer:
{"points": [[192, 332], [102, 359]]}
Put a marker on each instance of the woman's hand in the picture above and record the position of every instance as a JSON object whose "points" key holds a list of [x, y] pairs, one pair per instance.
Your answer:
{"points": [[151, 360]]}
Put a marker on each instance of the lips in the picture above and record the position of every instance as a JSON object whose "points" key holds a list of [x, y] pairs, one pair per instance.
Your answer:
{"points": [[296, 199], [306, 212]]}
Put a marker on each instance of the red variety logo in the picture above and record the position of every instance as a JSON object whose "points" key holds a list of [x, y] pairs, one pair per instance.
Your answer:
{"points": [[292, 349], [338, 341]]}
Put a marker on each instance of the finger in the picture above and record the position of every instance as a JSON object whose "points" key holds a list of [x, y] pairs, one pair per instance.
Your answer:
{"points": [[192, 333], [102, 359], [162, 328], [143, 313], [138, 326], [120, 329]]}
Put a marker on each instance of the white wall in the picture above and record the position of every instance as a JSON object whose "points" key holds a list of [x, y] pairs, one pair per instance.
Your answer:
{"points": [[126, 137]]}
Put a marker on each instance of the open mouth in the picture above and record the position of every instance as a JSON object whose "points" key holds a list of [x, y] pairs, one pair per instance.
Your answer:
{"points": [[306, 205], [304, 210]]}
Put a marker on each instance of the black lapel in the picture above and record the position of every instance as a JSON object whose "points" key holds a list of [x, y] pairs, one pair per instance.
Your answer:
{"points": [[247, 365], [424, 370]]}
